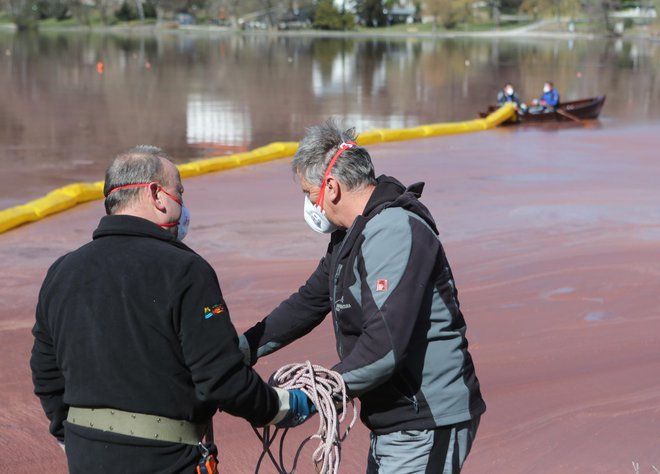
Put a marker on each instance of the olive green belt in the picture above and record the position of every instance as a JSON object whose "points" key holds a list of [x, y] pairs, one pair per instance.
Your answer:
{"points": [[140, 425]]}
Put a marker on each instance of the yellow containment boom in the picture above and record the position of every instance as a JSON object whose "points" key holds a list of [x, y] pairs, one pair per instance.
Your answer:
{"points": [[73, 194]]}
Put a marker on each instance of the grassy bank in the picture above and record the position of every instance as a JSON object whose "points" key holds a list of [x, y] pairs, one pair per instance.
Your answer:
{"points": [[509, 28]]}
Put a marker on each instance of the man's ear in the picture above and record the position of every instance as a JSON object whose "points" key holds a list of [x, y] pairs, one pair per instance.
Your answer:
{"points": [[156, 197], [333, 189]]}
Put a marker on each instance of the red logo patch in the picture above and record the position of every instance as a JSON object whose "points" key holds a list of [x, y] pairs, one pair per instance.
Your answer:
{"points": [[381, 284]]}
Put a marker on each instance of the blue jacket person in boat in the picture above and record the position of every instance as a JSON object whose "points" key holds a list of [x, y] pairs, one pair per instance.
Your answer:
{"points": [[549, 101]]}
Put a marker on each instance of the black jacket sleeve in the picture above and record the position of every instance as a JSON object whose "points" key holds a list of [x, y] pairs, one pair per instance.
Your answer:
{"points": [[210, 349], [47, 378], [294, 317]]}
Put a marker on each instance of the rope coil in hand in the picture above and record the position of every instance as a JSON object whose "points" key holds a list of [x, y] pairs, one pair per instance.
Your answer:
{"points": [[327, 390]]}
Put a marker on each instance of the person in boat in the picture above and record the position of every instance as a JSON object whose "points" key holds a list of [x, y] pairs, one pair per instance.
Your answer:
{"points": [[548, 102], [508, 94]]}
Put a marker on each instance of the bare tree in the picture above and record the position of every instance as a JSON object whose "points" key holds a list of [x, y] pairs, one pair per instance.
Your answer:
{"points": [[555, 8], [140, 10], [449, 12], [269, 7], [103, 7], [437, 9], [15, 7], [495, 6], [600, 10]]}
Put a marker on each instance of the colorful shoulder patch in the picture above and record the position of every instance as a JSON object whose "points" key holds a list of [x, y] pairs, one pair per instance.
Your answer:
{"points": [[215, 309]]}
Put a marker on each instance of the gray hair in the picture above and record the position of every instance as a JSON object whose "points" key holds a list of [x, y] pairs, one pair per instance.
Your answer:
{"points": [[353, 168], [138, 165]]}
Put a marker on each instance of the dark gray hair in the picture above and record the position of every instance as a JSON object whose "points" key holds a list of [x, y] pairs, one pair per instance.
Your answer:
{"points": [[353, 168], [138, 165]]}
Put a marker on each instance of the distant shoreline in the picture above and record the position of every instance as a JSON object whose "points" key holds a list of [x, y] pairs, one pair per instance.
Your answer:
{"points": [[523, 32]]}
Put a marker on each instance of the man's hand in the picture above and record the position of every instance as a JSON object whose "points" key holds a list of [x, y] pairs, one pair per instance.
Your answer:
{"points": [[298, 408]]}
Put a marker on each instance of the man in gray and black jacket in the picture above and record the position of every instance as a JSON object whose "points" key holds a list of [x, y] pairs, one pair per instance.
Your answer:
{"points": [[399, 331]]}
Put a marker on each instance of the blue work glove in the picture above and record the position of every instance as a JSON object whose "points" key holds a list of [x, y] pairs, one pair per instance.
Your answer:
{"points": [[300, 408]]}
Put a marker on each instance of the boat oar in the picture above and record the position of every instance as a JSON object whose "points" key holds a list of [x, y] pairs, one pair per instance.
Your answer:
{"points": [[568, 115]]}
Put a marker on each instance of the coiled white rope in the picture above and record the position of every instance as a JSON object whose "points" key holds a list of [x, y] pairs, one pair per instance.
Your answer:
{"points": [[327, 390]]}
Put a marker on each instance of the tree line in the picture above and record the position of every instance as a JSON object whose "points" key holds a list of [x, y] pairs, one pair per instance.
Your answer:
{"points": [[321, 14]]}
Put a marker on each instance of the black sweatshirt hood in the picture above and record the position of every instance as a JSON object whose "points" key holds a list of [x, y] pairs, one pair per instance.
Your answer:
{"points": [[390, 192]]}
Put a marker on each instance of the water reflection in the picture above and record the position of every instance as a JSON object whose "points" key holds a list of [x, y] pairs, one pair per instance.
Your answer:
{"points": [[221, 122], [72, 100]]}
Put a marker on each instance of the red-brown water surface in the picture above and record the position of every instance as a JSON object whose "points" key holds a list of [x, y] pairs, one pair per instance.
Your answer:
{"points": [[554, 239], [62, 116]]}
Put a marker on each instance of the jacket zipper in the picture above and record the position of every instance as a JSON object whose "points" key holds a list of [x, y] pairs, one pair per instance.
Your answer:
{"points": [[334, 312], [334, 291], [412, 398], [415, 403]]}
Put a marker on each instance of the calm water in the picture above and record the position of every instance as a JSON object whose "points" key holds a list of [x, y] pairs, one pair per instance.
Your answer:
{"points": [[70, 101]]}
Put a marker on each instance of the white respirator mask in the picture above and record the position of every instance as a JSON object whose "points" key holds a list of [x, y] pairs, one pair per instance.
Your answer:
{"points": [[316, 219], [314, 212]]}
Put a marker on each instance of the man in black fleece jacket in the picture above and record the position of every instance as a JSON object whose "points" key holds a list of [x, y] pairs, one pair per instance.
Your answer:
{"points": [[134, 350]]}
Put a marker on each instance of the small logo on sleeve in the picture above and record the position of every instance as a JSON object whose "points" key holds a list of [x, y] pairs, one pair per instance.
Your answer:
{"points": [[381, 284], [215, 309]]}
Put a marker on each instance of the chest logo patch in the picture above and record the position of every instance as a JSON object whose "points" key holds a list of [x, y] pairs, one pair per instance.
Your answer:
{"points": [[381, 284], [215, 309], [340, 305]]}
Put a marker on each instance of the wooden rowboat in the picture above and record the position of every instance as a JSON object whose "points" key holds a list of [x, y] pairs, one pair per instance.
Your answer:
{"points": [[584, 109]]}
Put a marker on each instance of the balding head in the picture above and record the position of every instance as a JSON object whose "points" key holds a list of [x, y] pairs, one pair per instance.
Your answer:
{"points": [[142, 164]]}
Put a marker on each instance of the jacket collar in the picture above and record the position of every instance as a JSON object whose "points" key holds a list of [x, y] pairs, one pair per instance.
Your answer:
{"points": [[115, 225]]}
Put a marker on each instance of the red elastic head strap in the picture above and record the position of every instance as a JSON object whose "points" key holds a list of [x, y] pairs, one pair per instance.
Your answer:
{"points": [[143, 185], [343, 147]]}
